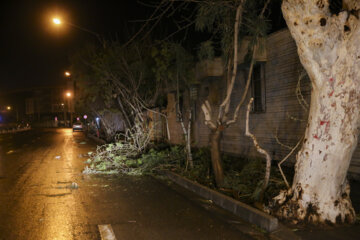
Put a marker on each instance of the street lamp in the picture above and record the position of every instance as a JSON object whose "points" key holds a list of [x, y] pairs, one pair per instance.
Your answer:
{"points": [[69, 82], [70, 106], [70, 94], [58, 21], [10, 108]]}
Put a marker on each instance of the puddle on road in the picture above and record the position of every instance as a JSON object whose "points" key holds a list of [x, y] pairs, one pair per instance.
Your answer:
{"points": [[61, 189], [56, 195], [66, 182]]}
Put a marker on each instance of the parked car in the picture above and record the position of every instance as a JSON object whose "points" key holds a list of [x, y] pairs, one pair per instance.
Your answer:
{"points": [[78, 126]]}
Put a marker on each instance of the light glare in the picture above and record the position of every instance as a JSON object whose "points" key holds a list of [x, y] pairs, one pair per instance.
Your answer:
{"points": [[56, 21]]}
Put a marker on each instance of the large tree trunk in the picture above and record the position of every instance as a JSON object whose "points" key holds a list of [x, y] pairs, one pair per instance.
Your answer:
{"points": [[329, 50], [320, 191], [216, 156]]}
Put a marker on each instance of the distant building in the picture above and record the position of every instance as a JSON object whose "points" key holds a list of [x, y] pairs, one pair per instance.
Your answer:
{"points": [[40, 104]]}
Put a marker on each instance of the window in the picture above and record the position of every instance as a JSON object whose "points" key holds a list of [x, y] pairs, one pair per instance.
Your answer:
{"points": [[258, 88]]}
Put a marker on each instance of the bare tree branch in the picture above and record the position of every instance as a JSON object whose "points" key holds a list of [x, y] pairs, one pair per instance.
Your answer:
{"points": [[294, 118], [303, 103], [238, 21], [259, 149], [279, 142], [206, 108], [159, 6], [285, 158], [248, 81]]}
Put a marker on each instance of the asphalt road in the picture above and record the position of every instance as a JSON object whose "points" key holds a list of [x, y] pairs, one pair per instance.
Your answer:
{"points": [[44, 195]]}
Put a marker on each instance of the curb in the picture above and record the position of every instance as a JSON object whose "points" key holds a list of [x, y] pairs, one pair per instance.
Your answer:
{"points": [[96, 139], [240, 209], [14, 130]]}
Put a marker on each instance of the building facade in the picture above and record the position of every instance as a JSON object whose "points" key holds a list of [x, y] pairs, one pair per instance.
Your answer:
{"points": [[278, 117]]}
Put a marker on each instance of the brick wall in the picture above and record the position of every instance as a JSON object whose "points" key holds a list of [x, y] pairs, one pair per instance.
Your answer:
{"points": [[282, 70]]}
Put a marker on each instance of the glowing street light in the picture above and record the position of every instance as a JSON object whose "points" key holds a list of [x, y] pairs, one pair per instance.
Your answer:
{"points": [[56, 21], [67, 74], [68, 94], [8, 107]]}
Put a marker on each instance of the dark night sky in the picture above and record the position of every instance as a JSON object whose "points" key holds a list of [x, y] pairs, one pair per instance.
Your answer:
{"points": [[35, 53]]}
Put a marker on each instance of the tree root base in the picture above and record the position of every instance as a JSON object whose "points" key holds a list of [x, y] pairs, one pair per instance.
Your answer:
{"points": [[290, 206]]}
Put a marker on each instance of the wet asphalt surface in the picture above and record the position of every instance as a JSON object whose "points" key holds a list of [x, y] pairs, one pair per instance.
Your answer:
{"points": [[44, 195]]}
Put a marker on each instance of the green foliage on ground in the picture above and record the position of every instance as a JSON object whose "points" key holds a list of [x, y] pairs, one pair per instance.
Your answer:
{"points": [[246, 184], [243, 176], [243, 179], [118, 158]]}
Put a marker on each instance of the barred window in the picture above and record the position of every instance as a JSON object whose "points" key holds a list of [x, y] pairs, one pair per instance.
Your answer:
{"points": [[258, 88]]}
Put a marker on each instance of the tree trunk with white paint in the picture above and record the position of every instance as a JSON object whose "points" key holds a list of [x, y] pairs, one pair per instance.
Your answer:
{"points": [[187, 137], [218, 126], [223, 121], [329, 49]]}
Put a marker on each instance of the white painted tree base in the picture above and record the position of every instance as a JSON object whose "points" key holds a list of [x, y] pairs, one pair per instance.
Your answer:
{"points": [[329, 49]]}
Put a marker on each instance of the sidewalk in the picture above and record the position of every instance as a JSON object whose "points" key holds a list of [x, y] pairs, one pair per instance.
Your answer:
{"points": [[209, 200], [14, 130], [284, 231]]}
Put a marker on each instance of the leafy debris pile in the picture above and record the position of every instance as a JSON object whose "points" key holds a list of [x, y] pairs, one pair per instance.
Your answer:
{"points": [[243, 179], [122, 158]]}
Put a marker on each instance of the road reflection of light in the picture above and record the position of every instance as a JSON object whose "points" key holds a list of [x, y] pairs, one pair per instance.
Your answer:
{"points": [[67, 131], [69, 147], [61, 210], [58, 220]]}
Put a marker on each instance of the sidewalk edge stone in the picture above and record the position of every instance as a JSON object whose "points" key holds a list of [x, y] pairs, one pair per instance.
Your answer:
{"points": [[240, 209], [96, 139]]}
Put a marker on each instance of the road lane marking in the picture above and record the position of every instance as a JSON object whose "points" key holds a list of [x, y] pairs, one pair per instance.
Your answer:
{"points": [[106, 232]]}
